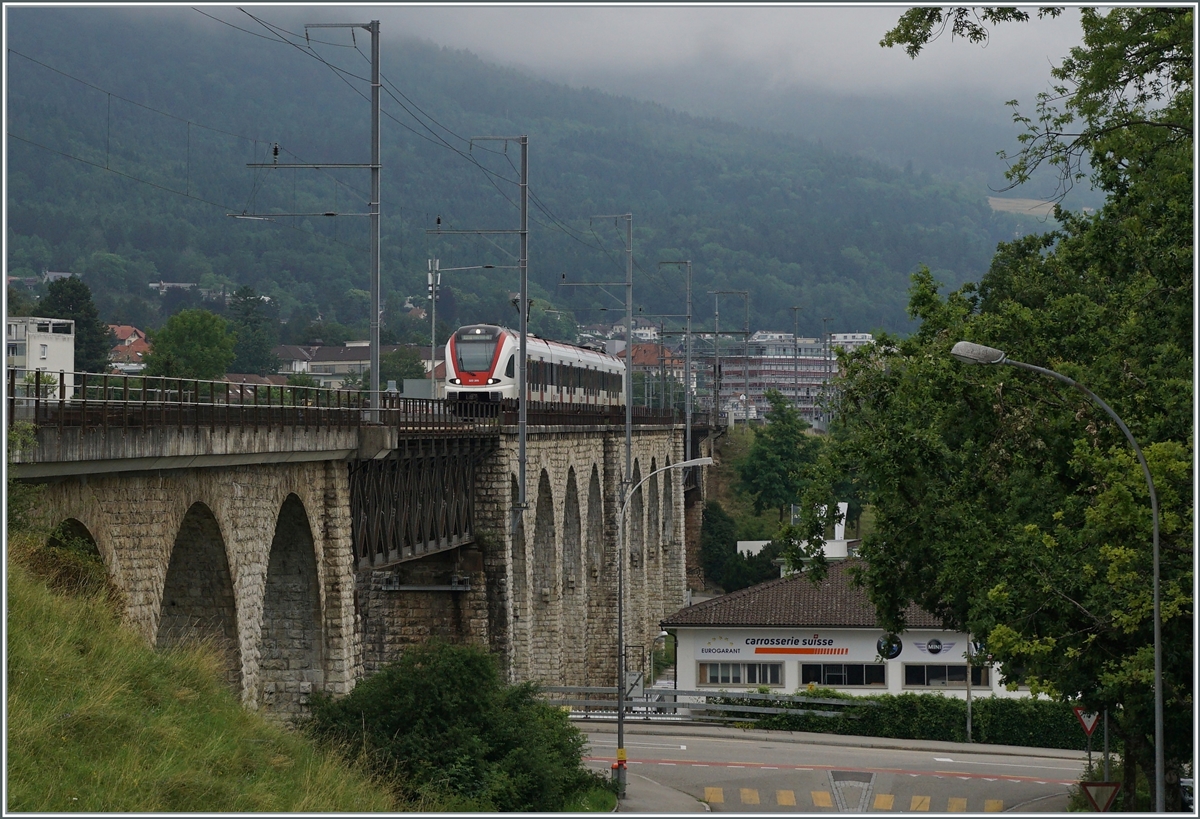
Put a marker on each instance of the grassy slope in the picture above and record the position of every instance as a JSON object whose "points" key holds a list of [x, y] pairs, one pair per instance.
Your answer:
{"points": [[97, 721]]}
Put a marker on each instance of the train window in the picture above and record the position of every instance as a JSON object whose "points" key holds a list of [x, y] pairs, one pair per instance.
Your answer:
{"points": [[509, 370]]}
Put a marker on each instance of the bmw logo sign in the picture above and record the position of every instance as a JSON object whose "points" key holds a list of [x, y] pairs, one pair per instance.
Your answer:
{"points": [[934, 646], [889, 647]]}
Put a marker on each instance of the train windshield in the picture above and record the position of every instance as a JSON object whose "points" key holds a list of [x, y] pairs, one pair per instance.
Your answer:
{"points": [[474, 348]]}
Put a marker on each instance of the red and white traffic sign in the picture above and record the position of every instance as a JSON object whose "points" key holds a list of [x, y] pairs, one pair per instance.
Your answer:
{"points": [[1087, 720], [1101, 794]]}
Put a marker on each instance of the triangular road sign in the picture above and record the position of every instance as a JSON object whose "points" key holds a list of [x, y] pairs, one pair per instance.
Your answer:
{"points": [[1088, 721], [1101, 794]]}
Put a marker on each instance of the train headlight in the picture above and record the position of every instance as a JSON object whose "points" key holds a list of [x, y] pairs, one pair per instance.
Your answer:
{"points": [[493, 380], [455, 381]]}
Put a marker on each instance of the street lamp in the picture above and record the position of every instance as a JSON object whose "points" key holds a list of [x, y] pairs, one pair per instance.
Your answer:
{"points": [[621, 552], [971, 353]]}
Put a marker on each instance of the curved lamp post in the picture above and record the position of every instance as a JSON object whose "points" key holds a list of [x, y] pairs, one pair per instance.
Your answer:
{"points": [[621, 552], [972, 353]]}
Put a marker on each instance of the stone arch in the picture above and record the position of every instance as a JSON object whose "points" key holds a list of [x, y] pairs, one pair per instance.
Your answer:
{"points": [[671, 556], [74, 536], [653, 527], [574, 585], [198, 602], [636, 572], [668, 508], [599, 590], [545, 594], [291, 652], [518, 587]]}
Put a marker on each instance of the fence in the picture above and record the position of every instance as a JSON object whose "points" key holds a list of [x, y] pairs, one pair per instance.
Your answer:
{"points": [[687, 705], [103, 400]]}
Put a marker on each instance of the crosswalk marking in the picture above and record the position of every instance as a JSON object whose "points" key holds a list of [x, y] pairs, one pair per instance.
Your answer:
{"points": [[749, 796], [956, 805], [714, 796], [786, 797], [919, 803], [821, 799], [884, 801], [993, 805]]}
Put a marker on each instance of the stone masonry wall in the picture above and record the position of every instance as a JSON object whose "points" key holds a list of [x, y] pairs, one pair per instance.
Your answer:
{"points": [[551, 579], [139, 520]]}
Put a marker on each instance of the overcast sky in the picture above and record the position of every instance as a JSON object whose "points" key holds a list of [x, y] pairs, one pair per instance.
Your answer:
{"points": [[830, 47]]}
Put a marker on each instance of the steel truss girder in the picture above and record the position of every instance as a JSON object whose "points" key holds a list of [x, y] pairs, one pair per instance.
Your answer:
{"points": [[418, 500]]}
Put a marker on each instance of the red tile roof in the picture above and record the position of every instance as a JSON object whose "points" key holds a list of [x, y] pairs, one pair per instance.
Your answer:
{"points": [[131, 352], [796, 601]]}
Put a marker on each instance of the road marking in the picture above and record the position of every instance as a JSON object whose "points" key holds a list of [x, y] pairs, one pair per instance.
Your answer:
{"points": [[667, 763], [993, 805], [956, 805], [749, 796], [769, 768], [714, 796], [942, 759], [786, 798], [699, 764], [1015, 765], [821, 799], [919, 803], [737, 766], [988, 779], [884, 801]]}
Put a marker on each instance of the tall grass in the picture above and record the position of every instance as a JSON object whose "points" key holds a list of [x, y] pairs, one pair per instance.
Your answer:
{"points": [[98, 721]]}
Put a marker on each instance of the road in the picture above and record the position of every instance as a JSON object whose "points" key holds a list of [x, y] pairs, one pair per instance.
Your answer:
{"points": [[761, 771]]}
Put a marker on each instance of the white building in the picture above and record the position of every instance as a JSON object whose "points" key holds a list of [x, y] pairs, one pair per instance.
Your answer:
{"points": [[44, 344], [791, 632]]}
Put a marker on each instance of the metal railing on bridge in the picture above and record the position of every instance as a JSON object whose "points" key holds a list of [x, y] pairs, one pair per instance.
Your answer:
{"points": [[105, 400], [600, 702]]}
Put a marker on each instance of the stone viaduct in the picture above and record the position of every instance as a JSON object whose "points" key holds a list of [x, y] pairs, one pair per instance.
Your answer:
{"points": [[244, 537]]}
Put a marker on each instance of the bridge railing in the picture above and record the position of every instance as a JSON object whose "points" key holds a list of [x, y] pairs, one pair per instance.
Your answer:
{"points": [[103, 400]]}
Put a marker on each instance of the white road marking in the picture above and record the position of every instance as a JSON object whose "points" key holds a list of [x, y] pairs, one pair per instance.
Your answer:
{"points": [[1016, 765], [942, 759]]}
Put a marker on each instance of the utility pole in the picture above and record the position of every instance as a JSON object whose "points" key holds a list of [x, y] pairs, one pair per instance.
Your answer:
{"points": [[372, 206], [825, 374], [796, 357], [435, 283], [523, 266], [717, 353], [745, 294], [625, 486], [687, 362]]}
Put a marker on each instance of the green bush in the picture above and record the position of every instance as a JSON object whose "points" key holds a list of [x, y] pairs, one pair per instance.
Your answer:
{"points": [[440, 724], [994, 720]]}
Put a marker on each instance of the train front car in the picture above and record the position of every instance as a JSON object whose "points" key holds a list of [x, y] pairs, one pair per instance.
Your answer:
{"points": [[481, 363], [482, 366]]}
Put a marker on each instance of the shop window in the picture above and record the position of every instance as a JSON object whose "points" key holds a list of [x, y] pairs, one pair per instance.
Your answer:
{"points": [[741, 674], [843, 674], [944, 676]]}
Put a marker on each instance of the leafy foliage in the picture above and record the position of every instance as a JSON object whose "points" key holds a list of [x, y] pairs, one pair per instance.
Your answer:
{"points": [[192, 344], [1023, 721], [70, 298], [1010, 505], [920, 26], [723, 566], [442, 719], [775, 470], [256, 333]]}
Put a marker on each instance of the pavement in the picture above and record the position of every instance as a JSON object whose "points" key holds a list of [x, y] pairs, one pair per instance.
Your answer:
{"points": [[645, 796]]}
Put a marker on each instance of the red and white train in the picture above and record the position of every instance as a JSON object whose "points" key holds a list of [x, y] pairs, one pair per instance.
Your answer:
{"points": [[481, 365]]}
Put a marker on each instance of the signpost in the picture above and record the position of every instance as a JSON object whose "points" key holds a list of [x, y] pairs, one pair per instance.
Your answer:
{"points": [[1101, 794]]}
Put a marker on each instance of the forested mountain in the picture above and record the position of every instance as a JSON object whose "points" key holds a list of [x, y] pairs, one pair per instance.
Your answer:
{"points": [[124, 172]]}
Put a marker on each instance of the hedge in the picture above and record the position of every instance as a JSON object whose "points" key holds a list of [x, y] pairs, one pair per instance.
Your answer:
{"points": [[995, 720]]}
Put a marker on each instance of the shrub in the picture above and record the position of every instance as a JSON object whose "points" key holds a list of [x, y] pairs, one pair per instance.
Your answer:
{"points": [[440, 724], [994, 720]]}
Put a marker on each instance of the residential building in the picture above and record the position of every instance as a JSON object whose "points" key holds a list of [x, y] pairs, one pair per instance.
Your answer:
{"points": [[44, 344], [790, 633]]}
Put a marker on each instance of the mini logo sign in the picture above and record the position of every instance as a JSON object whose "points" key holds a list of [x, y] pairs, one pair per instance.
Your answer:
{"points": [[889, 647], [935, 646]]}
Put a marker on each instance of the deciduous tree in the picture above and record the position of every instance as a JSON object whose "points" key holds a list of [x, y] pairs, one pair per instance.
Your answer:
{"points": [[70, 298], [192, 344]]}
